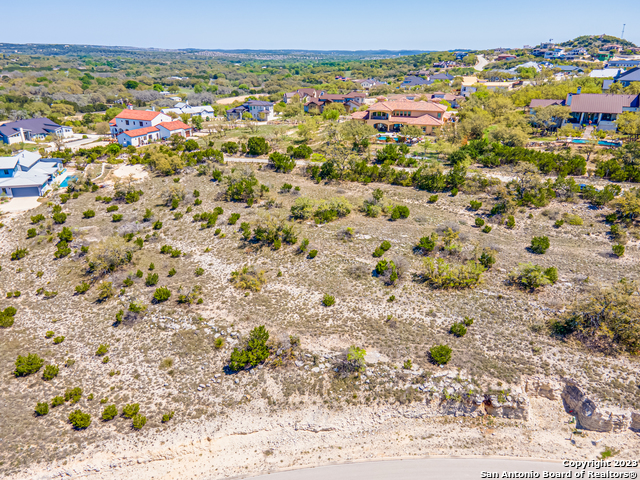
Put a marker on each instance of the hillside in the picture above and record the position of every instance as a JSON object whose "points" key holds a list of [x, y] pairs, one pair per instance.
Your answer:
{"points": [[597, 41]]}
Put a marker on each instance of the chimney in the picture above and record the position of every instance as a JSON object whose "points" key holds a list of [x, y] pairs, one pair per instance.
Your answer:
{"points": [[579, 90], [129, 106], [153, 108], [569, 97]]}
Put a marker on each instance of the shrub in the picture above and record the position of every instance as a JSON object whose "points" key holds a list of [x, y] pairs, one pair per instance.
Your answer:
{"points": [[116, 217], [19, 253], [105, 291], [458, 329], [328, 300], [151, 280], [219, 342], [57, 401], [161, 294], [248, 278], [157, 225], [102, 349], [130, 410], [511, 222], [80, 420], [302, 208], [468, 321], [109, 254], [109, 413], [166, 417], [329, 211], [59, 218], [73, 395], [433, 198], [172, 272], [558, 223], [112, 208], [313, 253], [139, 421], [427, 244], [234, 218], [281, 163], [148, 215], [475, 205], [50, 372], [83, 288], [6, 317], [440, 274], [255, 351], [199, 271], [454, 192], [384, 246], [378, 252], [539, 245], [37, 218], [62, 250], [399, 211], [31, 233], [574, 220], [486, 229], [440, 354], [487, 258], [42, 409], [479, 222], [531, 277], [28, 365], [152, 267], [49, 334], [407, 365], [618, 250], [354, 361], [257, 146]]}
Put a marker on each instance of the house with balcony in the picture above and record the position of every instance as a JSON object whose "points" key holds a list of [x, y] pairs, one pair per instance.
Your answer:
{"points": [[258, 110], [391, 116], [130, 119], [597, 109], [27, 174]]}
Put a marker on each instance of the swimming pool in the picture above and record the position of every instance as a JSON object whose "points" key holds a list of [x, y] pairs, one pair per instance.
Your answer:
{"points": [[65, 182], [605, 143]]}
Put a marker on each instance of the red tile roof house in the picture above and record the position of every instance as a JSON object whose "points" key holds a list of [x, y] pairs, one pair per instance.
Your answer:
{"points": [[147, 135], [135, 119], [392, 116], [598, 109]]}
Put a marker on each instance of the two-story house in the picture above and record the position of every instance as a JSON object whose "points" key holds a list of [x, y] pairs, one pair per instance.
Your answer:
{"points": [[303, 94], [258, 109], [351, 101], [130, 119], [26, 174], [393, 115]]}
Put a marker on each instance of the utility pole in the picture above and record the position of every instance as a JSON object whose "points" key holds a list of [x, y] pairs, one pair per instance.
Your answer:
{"points": [[623, 25]]}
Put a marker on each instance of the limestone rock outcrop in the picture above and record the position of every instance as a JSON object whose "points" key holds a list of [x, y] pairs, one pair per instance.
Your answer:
{"points": [[589, 415]]}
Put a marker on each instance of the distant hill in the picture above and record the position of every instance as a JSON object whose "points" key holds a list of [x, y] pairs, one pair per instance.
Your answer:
{"points": [[597, 41]]}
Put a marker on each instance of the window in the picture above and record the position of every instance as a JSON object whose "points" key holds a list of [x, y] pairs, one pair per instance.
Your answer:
{"points": [[6, 172], [126, 122]]}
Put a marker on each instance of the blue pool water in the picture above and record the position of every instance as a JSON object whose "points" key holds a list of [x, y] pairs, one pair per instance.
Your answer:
{"points": [[65, 182], [601, 142]]}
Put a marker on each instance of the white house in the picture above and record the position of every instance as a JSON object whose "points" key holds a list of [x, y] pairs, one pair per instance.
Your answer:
{"points": [[205, 111], [147, 135], [136, 119], [26, 174], [258, 109]]}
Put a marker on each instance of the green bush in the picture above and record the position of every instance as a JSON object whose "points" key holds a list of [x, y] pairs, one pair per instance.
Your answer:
{"points": [[59, 218], [102, 350], [172, 272], [73, 395], [511, 222], [486, 229], [83, 288], [475, 205], [399, 211], [49, 334], [166, 417], [199, 271], [57, 401], [558, 223], [257, 146], [440, 354], [116, 217], [384, 246], [130, 410], [32, 363], [37, 218], [162, 294], [139, 421], [234, 218], [487, 258], [19, 253], [255, 351], [618, 250], [42, 409], [440, 274], [109, 413], [531, 277], [218, 342], [152, 279], [281, 163], [79, 420], [50, 372], [7, 317], [458, 329], [433, 199], [408, 364], [468, 321], [112, 208], [157, 225], [31, 233], [427, 244], [378, 252], [479, 222], [313, 253], [328, 300], [539, 245], [574, 220]]}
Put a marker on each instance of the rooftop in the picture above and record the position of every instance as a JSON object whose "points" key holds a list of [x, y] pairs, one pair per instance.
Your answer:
{"points": [[137, 114]]}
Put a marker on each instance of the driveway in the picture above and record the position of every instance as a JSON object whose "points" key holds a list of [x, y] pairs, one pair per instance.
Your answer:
{"points": [[481, 63], [20, 204]]}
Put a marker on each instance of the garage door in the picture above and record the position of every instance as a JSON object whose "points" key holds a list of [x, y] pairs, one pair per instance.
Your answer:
{"points": [[25, 192]]}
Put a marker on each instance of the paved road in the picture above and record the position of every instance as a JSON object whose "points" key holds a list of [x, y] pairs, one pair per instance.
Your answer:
{"points": [[481, 63], [423, 469]]}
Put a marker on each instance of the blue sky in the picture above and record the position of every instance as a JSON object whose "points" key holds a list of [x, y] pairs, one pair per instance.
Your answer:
{"points": [[317, 25]]}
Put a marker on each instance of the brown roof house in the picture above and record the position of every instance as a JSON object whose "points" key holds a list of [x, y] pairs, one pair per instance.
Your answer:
{"points": [[351, 101], [391, 116], [598, 109], [304, 94]]}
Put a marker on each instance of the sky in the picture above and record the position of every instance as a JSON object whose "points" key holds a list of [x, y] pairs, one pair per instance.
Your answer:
{"points": [[317, 25]]}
